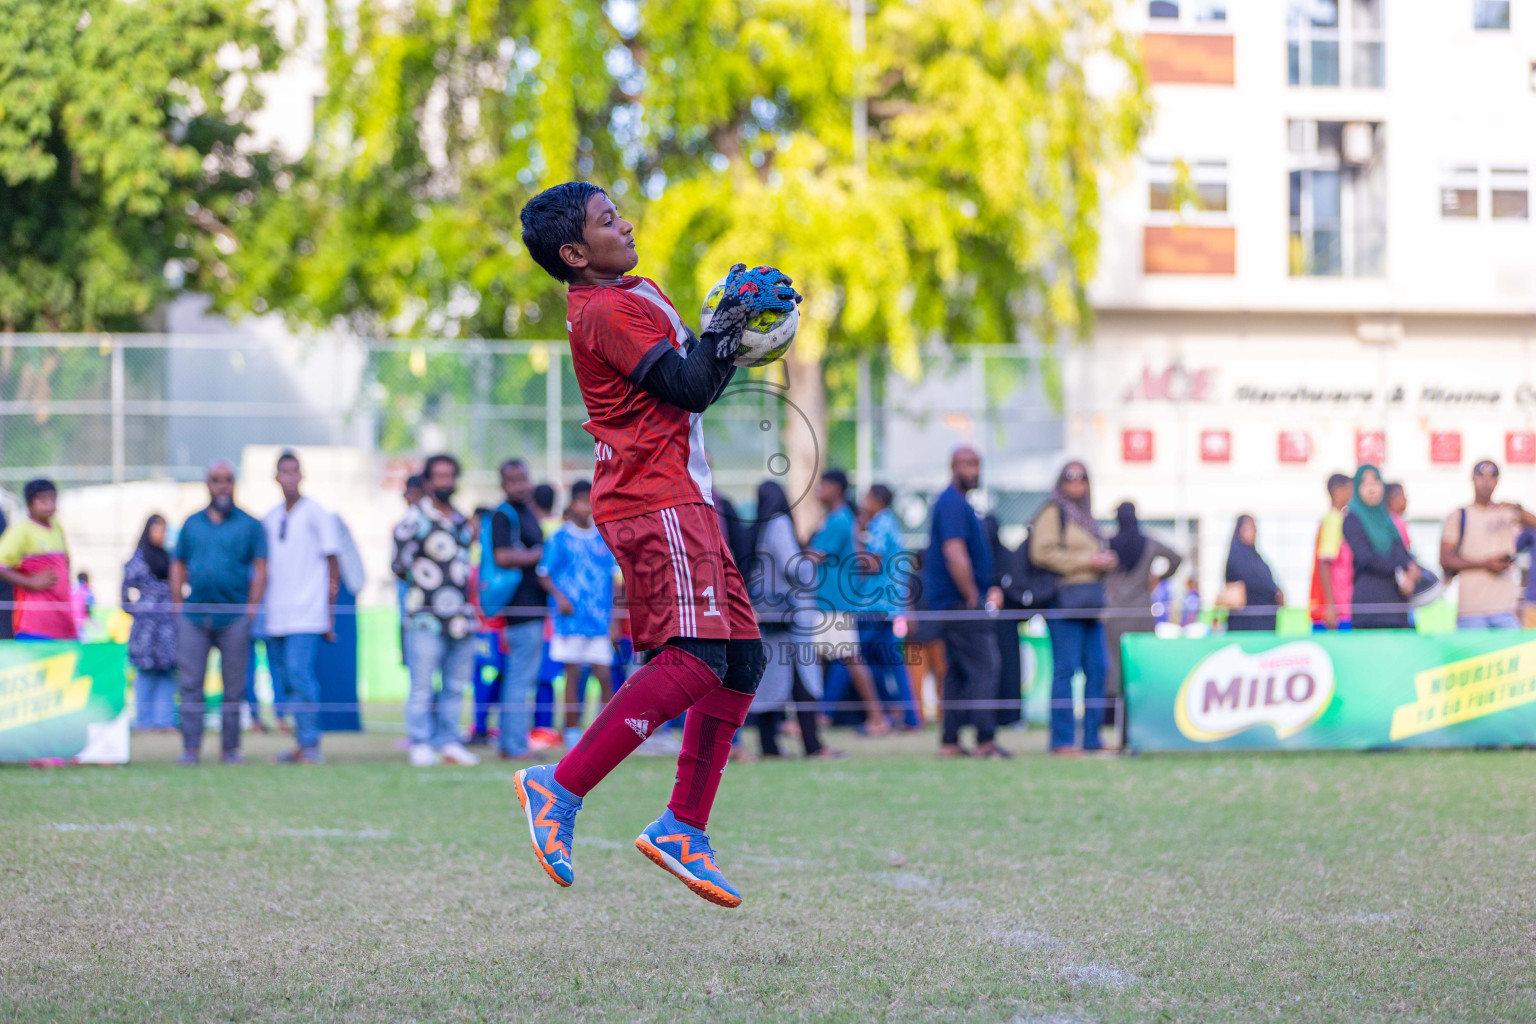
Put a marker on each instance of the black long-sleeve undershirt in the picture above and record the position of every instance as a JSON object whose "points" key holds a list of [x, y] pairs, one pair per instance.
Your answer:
{"points": [[693, 382]]}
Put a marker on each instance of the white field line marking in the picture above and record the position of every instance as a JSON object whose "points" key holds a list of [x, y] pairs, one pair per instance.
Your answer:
{"points": [[1099, 974], [906, 880], [314, 833], [121, 827], [1027, 939]]}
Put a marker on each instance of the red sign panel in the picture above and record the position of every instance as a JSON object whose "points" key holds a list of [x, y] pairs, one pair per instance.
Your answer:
{"points": [[1215, 446], [1136, 445], [1445, 448], [1370, 446], [1520, 447], [1295, 446]]}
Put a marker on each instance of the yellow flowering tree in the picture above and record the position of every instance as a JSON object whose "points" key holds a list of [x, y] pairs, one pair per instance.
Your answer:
{"points": [[724, 128]]}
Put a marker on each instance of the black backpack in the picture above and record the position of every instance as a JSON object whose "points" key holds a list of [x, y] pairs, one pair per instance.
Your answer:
{"points": [[1027, 585]]}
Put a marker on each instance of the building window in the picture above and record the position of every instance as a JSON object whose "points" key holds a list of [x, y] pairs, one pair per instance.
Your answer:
{"points": [[1505, 194], [1198, 11], [1330, 43], [1180, 191], [1509, 195], [1490, 14], [1337, 199], [1458, 193]]}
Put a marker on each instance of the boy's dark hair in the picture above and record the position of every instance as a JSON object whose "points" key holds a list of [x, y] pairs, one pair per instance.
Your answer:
{"points": [[882, 494], [1336, 481], [417, 481], [554, 218], [1391, 490], [286, 455], [581, 489], [544, 498], [513, 463], [433, 460], [838, 478], [36, 487]]}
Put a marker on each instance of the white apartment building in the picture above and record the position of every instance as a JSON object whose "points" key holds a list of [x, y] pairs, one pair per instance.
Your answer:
{"points": [[1324, 255]]}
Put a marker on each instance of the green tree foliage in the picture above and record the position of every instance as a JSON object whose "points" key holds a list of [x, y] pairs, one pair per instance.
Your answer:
{"points": [[730, 123], [440, 120], [119, 132], [724, 129], [121, 169], [978, 208]]}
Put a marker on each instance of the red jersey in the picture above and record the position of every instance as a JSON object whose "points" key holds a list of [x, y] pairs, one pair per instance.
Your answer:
{"points": [[650, 454]]}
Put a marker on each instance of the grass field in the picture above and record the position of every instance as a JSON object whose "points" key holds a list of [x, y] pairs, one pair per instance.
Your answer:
{"points": [[886, 887]]}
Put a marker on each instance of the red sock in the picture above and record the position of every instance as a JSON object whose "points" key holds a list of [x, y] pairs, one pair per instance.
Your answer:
{"points": [[664, 688], [707, 734]]}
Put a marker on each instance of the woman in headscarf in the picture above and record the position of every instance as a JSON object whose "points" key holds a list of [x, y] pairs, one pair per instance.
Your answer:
{"points": [[1065, 539], [1246, 566], [1144, 562], [1385, 573], [780, 582], [152, 640]]}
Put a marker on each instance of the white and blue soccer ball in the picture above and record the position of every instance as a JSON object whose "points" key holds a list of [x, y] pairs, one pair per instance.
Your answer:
{"points": [[766, 336]]}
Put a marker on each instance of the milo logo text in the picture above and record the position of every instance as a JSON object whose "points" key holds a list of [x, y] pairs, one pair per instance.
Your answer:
{"points": [[1286, 688]]}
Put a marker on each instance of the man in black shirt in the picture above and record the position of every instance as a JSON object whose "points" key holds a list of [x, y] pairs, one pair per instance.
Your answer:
{"points": [[519, 548]]}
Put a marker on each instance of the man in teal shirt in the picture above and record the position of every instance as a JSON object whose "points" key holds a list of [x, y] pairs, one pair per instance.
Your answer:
{"points": [[218, 577], [841, 585], [889, 590]]}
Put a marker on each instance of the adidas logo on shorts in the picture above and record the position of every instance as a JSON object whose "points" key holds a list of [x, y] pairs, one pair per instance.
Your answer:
{"points": [[641, 726]]}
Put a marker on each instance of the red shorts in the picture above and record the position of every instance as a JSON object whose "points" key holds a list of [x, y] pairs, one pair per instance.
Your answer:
{"points": [[679, 577]]}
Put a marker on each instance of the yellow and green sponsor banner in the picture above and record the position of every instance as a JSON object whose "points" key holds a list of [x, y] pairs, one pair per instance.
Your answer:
{"points": [[62, 699], [1331, 691]]}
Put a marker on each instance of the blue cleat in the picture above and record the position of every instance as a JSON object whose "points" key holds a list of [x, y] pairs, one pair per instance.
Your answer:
{"points": [[551, 812], [684, 852]]}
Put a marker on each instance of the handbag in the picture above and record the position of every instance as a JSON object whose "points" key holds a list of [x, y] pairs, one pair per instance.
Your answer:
{"points": [[1027, 585], [1427, 590]]}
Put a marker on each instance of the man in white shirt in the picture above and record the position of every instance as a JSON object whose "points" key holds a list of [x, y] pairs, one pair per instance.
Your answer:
{"points": [[303, 575]]}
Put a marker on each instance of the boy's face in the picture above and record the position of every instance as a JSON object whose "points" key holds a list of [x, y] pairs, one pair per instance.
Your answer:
{"points": [[607, 249], [580, 510], [289, 477], [43, 506], [515, 484]]}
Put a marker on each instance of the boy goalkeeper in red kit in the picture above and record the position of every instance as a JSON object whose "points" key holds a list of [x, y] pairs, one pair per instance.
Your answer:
{"points": [[646, 381]]}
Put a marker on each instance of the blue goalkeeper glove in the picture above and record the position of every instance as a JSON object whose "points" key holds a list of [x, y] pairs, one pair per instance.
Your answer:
{"points": [[748, 293]]}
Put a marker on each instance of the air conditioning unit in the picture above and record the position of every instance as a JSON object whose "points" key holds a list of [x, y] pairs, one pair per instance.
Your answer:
{"points": [[1359, 142]]}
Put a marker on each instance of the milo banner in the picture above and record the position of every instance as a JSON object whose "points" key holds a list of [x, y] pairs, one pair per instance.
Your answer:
{"points": [[1331, 691], [63, 700]]}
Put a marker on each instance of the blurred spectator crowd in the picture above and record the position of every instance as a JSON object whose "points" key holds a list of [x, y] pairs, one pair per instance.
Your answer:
{"points": [[500, 604]]}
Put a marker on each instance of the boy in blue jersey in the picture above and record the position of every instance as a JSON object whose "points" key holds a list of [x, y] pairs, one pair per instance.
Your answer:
{"points": [[577, 573], [838, 598], [889, 586]]}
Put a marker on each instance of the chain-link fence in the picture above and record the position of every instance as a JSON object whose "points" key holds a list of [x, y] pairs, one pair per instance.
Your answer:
{"points": [[115, 409]]}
